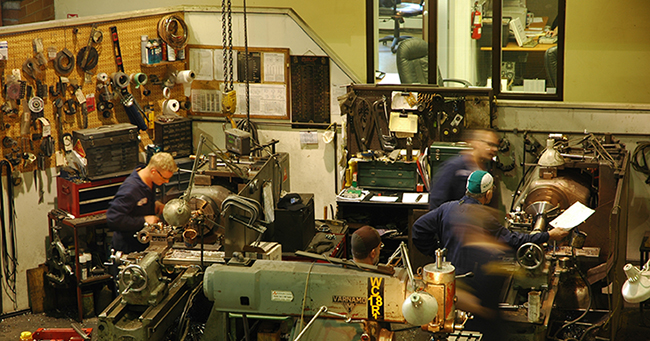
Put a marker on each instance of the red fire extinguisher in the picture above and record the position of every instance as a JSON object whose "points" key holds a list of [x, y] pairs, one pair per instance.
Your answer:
{"points": [[477, 18]]}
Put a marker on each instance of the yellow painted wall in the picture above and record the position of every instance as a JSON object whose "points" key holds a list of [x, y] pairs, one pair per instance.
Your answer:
{"points": [[607, 42], [340, 23], [607, 51]]}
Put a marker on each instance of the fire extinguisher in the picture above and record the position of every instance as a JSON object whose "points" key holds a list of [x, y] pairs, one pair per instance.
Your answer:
{"points": [[477, 18]]}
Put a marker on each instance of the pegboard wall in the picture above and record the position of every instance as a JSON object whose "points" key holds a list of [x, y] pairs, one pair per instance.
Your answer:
{"points": [[74, 38]]}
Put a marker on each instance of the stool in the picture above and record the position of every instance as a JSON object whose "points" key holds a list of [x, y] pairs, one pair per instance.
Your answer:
{"points": [[644, 255]]}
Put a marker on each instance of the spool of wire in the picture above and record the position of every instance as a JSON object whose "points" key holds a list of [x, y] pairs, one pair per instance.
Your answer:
{"points": [[173, 31]]}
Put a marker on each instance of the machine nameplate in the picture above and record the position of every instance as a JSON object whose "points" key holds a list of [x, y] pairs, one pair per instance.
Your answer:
{"points": [[349, 299], [376, 298], [281, 296]]}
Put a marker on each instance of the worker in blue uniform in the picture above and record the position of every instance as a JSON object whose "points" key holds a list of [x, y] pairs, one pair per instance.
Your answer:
{"points": [[475, 239], [449, 181], [134, 203]]}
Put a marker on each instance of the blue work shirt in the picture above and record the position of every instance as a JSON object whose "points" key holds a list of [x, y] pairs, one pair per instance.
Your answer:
{"points": [[125, 216], [450, 182], [449, 224]]}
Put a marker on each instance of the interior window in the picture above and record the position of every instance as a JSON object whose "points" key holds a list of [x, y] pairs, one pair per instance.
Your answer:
{"points": [[524, 53], [529, 54]]}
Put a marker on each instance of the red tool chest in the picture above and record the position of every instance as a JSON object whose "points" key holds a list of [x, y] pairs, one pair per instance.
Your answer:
{"points": [[84, 198]]}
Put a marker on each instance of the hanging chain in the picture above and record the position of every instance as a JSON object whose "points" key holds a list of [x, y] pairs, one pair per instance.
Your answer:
{"points": [[226, 29], [248, 101]]}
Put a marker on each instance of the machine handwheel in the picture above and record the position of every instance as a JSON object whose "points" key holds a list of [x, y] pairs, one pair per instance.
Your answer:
{"points": [[133, 277], [530, 256]]}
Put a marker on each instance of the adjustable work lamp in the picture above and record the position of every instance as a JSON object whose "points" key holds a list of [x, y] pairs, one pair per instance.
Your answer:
{"points": [[637, 286]]}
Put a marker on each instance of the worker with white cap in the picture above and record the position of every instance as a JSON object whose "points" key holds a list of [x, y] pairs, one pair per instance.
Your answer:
{"points": [[475, 241]]}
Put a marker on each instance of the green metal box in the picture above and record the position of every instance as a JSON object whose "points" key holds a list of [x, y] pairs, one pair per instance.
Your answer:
{"points": [[387, 175], [439, 152]]}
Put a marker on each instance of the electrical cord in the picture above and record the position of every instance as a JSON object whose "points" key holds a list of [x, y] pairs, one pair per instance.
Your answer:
{"points": [[582, 276], [172, 29], [184, 322], [639, 162], [9, 244], [304, 298]]}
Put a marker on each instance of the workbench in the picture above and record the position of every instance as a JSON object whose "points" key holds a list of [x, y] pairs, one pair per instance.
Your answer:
{"points": [[396, 215]]}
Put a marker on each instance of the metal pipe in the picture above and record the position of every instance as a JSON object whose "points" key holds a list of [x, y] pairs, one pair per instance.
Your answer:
{"points": [[188, 191], [322, 309], [407, 262]]}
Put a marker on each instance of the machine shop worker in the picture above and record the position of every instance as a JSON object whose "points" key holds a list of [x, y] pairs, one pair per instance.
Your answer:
{"points": [[449, 182], [366, 245], [475, 241], [134, 203], [443, 223]]}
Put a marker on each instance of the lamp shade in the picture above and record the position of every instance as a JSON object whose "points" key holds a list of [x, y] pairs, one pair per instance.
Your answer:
{"points": [[419, 308], [637, 286], [550, 157]]}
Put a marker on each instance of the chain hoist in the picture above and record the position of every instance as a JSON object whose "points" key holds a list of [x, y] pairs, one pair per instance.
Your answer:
{"points": [[229, 103]]}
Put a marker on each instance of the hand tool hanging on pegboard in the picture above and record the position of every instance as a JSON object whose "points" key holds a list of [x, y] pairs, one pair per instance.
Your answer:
{"points": [[81, 99], [64, 62], [25, 127], [46, 149], [120, 83], [58, 112], [88, 57], [104, 102], [13, 153]]}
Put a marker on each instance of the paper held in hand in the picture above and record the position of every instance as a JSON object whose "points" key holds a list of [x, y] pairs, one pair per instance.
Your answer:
{"points": [[573, 216]]}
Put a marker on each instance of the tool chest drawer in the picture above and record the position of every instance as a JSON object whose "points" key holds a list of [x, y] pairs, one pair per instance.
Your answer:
{"points": [[174, 137], [387, 175], [110, 149], [84, 198]]}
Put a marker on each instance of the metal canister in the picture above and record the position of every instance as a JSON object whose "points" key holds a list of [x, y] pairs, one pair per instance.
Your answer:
{"points": [[440, 280], [212, 157]]}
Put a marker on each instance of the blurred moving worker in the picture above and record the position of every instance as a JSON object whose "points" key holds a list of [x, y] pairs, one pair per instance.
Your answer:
{"points": [[475, 241], [449, 182], [134, 203]]}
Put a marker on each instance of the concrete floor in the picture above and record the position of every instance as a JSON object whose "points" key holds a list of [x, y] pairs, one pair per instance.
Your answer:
{"points": [[10, 328]]}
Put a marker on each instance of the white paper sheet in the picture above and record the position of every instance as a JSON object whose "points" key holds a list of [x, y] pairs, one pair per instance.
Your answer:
{"points": [[415, 198], [201, 62], [573, 216], [381, 198]]}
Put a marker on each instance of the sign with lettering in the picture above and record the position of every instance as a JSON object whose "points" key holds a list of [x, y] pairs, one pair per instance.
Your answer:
{"points": [[376, 298]]}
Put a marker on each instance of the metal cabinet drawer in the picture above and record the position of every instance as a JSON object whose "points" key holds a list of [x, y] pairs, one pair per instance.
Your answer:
{"points": [[383, 175]]}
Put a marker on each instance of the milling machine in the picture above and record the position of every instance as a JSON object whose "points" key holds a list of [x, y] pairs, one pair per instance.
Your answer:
{"points": [[574, 277], [360, 300]]}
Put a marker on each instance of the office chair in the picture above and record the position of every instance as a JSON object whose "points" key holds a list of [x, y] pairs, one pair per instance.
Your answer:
{"points": [[398, 11], [550, 62], [413, 64]]}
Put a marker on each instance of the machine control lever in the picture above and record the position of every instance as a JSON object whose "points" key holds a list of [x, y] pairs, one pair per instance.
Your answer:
{"points": [[468, 275]]}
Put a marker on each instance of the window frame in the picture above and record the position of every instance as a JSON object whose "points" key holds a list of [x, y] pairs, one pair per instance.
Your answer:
{"points": [[431, 7]]}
